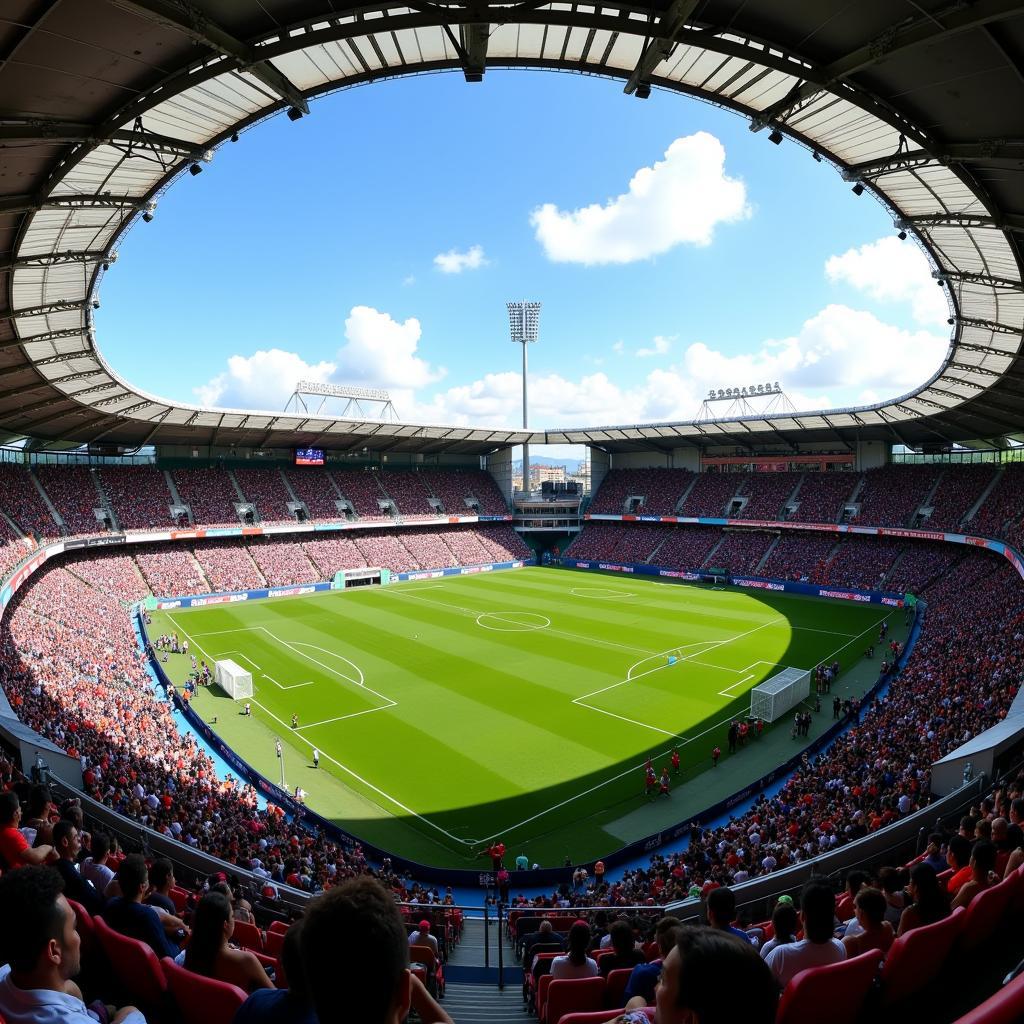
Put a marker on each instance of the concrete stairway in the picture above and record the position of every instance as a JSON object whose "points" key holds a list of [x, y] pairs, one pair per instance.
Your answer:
{"points": [[473, 996]]}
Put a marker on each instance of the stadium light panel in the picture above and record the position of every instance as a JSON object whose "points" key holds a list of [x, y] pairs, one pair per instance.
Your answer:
{"points": [[776, 137], [195, 169], [858, 189]]}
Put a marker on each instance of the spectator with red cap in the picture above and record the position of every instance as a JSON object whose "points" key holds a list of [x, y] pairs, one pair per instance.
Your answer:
{"points": [[422, 937]]}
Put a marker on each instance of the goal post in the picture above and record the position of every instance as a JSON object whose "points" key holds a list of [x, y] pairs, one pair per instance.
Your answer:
{"points": [[771, 699], [234, 680]]}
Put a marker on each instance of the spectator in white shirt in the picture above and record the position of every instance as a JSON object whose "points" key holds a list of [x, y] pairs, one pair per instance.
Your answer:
{"points": [[576, 963], [41, 950], [818, 947], [94, 868]]}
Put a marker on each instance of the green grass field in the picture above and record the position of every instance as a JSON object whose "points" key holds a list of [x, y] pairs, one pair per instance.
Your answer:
{"points": [[515, 704]]}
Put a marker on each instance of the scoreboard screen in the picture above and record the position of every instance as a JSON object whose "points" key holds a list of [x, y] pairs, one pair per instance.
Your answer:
{"points": [[309, 456]]}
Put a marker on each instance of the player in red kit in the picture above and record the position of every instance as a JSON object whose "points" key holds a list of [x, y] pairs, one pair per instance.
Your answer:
{"points": [[650, 780], [675, 762], [715, 755]]}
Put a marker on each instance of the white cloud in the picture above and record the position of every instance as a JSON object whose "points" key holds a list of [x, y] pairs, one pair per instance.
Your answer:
{"points": [[658, 347], [378, 351], [619, 347], [455, 262], [264, 380], [678, 200], [840, 356], [892, 271], [408, 280]]}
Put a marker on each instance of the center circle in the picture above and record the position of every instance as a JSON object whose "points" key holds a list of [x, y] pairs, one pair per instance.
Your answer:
{"points": [[512, 622]]}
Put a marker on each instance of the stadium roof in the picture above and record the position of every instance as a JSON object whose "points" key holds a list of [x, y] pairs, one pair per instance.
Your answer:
{"points": [[103, 103]]}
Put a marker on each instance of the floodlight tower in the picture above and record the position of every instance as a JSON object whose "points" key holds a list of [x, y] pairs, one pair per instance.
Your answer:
{"points": [[524, 325]]}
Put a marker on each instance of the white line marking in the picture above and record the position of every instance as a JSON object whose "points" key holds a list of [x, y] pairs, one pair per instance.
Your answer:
{"points": [[476, 611], [244, 657], [290, 686], [342, 718], [327, 757], [508, 619], [726, 693], [632, 721]]}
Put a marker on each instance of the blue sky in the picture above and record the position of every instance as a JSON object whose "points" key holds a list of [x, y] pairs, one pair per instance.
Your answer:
{"points": [[376, 242]]}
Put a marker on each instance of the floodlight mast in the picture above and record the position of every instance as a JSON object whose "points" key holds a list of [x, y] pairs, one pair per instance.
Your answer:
{"points": [[524, 327]]}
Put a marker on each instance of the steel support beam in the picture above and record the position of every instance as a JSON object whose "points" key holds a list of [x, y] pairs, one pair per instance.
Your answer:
{"points": [[1006, 222], [897, 39], [187, 18], [660, 48], [60, 306], [75, 132], [71, 332], [1004, 283], [54, 259], [475, 38], [63, 357]]}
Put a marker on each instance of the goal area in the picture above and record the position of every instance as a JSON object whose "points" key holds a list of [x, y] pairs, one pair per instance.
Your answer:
{"points": [[234, 680], [771, 699]]}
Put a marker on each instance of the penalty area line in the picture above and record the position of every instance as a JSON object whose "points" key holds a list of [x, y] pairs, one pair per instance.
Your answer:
{"points": [[348, 771]]}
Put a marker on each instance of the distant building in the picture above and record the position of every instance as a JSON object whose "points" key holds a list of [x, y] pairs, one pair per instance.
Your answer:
{"points": [[540, 473]]}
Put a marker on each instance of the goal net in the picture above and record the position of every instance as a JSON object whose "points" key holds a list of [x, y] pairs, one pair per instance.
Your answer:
{"points": [[234, 680], [774, 697]]}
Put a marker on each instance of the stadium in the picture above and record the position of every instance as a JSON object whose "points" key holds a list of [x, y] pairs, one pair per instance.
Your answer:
{"points": [[277, 687]]}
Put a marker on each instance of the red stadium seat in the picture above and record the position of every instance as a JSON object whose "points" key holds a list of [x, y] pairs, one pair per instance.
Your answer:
{"points": [[615, 983], [571, 995], [426, 963], [248, 936], [202, 999], [842, 988], [916, 959], [985, 912], [135, 965], [86, 929], [1005, 1007], [279, 926], [273, 944], [179, 897]]}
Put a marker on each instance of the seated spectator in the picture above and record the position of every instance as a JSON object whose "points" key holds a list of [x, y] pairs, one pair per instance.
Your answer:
{"points": [[575, 963], [422, 937], [785, 924], [209, 954], [35, 825], [645, 976], [94, 868], [545, 935], [855, 881], [890, 881], [289, 1005], [722, 911], [875, 931], [161, 881], [958, 857], [15, 851], [625, 952], [41, 952], [983, 862], [355, 951], [68, 844], [127, 913], [930, 903], [934, 856], [817, 947], [710, 977]]}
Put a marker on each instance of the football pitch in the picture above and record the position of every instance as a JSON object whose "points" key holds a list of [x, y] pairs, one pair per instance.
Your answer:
{"points": [[518, 704]]}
